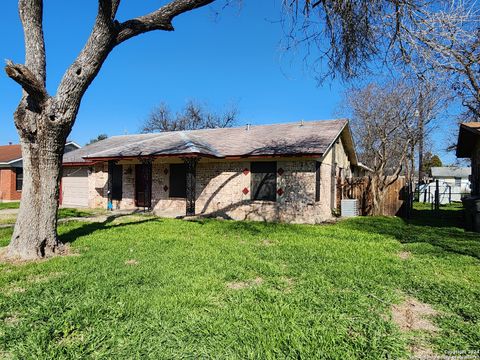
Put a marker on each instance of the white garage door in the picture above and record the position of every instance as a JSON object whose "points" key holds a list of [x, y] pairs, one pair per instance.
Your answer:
{"points": [[75, 187]]}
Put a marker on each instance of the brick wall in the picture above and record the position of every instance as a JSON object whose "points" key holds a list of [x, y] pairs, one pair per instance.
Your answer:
{"points": [[8, 190], [220, 191]]}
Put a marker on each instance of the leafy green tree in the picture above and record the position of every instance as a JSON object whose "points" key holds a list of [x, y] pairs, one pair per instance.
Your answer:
{"points": [[431, 160]]}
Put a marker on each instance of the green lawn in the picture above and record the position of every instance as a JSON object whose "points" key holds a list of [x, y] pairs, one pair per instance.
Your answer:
{"points": [[9, 205], [143, 287], [63, 213]]}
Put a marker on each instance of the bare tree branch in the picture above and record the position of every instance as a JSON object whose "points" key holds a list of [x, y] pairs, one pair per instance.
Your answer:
{"points": [[31, 14], [194, 116], [27, 80], [160, 19], [109, 8]]}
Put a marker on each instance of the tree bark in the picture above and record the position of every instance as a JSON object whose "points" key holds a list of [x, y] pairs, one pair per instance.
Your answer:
{"points": [[35, 234], [378, 196]]}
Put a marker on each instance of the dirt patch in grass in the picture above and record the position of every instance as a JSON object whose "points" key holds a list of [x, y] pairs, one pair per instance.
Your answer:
{"points": [[413, 315], [404, 255], [12, 320], [421, 351], [239, 285], [13, 289], [131, 262]]}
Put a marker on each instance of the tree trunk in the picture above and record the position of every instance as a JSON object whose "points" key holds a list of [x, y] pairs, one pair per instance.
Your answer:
{"points": [[377, 198], [35, 234]]}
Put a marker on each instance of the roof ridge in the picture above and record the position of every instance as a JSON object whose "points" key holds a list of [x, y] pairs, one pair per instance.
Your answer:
{"points": [[252, 126], [119, 146]]}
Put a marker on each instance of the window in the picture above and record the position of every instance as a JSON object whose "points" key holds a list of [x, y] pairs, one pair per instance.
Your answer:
{"points": [[116, 174], [317, 180], [458, 181], [178, 180], [19, 179], [264, 180]]}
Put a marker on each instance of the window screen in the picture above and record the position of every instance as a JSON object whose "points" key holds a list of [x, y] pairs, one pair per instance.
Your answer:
{"points": [[264, 180], [19, 179], [178, 180]]}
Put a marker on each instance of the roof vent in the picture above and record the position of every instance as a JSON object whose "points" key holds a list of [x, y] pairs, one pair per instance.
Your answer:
{"points": [[10, 143], [302, 122], [247, 127]]}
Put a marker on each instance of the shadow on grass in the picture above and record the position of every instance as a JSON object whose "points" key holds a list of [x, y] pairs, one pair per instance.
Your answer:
{"points": [[441, 229], [90, 227], [447, 216]]}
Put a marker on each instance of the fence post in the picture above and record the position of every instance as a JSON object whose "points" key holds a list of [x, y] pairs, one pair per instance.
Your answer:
{"points": [[437, 195], [412, 187]]}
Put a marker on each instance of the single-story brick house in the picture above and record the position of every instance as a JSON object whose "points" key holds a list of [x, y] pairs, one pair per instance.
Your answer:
{"points": [[11, 170], [283, 172]]}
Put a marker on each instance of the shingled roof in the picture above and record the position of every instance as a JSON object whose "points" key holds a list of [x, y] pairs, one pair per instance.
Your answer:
{"points": [[451, 171], [293, 139], [10, 153]]}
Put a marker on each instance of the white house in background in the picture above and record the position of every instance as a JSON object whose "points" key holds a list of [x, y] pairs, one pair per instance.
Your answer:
{"points": [[454, 183], [457, 177]]}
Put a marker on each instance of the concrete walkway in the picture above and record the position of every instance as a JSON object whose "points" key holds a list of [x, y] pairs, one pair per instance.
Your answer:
{"points": [[9, 212]]}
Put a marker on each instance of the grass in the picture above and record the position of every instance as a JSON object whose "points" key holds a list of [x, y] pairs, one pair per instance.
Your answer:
{"points": [[63, 213], [9, 205], [144, 287]]}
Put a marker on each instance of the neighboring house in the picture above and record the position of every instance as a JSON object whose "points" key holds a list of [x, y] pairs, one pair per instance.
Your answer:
{"points": [[453, 184], [11, 173], [468, 146], [284, 172], [11, 170]]}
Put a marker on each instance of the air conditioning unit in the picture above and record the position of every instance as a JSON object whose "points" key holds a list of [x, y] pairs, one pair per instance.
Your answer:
{"points": [[349, 207]]}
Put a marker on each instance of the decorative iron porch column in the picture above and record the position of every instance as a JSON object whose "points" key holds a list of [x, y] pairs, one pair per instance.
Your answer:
{"points": [[191, 173]]}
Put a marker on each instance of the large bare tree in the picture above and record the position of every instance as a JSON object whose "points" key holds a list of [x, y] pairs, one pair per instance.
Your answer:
{"points": [[385, 128], [44, 121], [194, 116]]}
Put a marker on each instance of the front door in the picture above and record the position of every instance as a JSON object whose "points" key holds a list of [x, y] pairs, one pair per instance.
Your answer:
{"points": [[143, 185]]}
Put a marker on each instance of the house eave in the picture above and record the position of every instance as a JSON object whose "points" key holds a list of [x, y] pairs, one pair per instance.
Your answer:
{"points": [[228, 157]]}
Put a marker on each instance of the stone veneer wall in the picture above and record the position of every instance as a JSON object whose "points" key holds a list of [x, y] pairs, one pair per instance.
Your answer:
{"points": [[97, 186], [220, 191]]}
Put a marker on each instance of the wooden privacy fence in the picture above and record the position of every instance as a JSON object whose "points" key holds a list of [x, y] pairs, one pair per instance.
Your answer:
{"points": [[360, 189]]}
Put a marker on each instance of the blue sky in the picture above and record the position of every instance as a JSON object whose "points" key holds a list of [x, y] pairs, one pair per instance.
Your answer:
{"points": [[234, 58]]}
